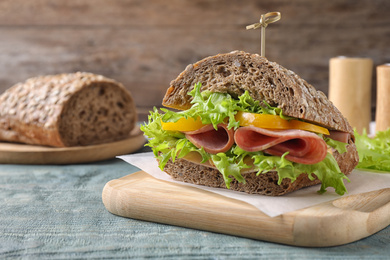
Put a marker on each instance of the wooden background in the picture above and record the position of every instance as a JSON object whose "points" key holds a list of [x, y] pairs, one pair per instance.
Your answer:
{"points": [[146, 44]]}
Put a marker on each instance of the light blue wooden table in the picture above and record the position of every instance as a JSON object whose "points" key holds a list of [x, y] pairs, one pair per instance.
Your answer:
{"points": [[56, 212]]}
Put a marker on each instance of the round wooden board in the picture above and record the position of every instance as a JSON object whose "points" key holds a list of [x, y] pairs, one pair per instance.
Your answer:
{"points": [[11, 153]]}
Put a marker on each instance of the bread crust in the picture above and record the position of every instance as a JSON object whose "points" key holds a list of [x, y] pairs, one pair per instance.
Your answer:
{"points": [[66, 110], [263, 184], [237, 72]]}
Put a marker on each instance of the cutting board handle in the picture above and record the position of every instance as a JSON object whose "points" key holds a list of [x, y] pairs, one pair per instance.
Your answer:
{"points": [[352, 218], [367, 202]]}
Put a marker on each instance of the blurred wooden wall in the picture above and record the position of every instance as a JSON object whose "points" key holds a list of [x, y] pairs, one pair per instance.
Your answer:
{"points": [[146, 44]]}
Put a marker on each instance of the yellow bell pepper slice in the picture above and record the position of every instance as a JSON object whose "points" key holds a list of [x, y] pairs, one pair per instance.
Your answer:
{"points": [[183, 124], [248, 119], [276, 122]]}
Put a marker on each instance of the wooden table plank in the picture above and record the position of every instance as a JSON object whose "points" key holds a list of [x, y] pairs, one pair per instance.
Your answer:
{"points": [[52, 212]]}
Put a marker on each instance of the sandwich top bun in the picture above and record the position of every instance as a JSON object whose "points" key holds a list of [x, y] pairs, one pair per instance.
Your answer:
{"points": [[238, 71], [66, 110]]}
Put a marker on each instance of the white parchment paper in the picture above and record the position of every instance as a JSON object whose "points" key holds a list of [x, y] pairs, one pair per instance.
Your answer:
{"points": [[361, 181]]}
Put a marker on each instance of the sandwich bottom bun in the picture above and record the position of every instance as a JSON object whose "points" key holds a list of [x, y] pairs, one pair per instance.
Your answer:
{"points": [[263, 184]]}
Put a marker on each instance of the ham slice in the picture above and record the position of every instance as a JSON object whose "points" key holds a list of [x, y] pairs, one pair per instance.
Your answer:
{"points": [[213, 141], [303, 147], [339, 136]]}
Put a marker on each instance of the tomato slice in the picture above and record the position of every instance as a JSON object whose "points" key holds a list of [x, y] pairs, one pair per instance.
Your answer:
{"points": [[183, 124], [248, 119], [276, 122]]}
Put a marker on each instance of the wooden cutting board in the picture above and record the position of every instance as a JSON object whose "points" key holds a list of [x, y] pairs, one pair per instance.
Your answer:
{"points": [[338, 222], [11, 153]]}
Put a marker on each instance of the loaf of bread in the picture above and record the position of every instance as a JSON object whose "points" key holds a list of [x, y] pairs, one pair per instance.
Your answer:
{"points": [[74, 109], [237, 72]]}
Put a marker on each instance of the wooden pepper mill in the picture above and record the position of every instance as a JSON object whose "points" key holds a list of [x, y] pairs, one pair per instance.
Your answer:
{"points": [[350, 83], [382, 115]]}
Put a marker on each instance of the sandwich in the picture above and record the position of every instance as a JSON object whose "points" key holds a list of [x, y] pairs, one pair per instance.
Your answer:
{"points": [[241, 122], [74, 109]]}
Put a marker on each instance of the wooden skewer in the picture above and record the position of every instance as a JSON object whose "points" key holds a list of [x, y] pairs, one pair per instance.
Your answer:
{"points": [[265, 19]]}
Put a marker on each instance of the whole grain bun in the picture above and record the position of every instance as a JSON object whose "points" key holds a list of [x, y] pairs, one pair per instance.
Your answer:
{"points": [[263, 184], [238, 71], [235, 73], [66, 110]]}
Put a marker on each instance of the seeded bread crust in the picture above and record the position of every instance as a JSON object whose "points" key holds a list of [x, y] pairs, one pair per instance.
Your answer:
{"points": [[262, 184], [66, 110], [238, 71]]}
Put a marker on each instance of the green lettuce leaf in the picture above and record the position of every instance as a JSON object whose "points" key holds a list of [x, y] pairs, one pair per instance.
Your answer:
{"points": [[374, 153], [339, 146], [214, 108], [327, 170], [229, 166]]}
